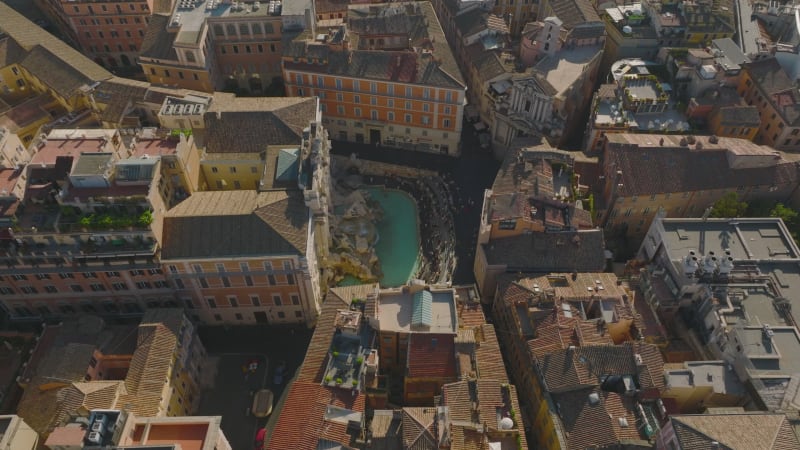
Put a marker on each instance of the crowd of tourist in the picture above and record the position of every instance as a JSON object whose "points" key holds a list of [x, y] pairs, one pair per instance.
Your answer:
{"points": [[435, 207]]}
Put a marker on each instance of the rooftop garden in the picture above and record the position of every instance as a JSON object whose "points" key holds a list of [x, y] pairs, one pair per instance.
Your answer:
{"points": [[345, 362]]}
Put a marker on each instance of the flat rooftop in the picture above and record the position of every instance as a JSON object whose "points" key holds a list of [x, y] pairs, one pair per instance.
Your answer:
{"points": [[714, 374], [563, 69], [395, 311], [192, 18], [771, 356], [759, 239], [189, 436]]}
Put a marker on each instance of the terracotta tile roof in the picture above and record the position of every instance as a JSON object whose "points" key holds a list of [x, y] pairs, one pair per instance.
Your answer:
{"points": [[152, 362], [302, 424], [708, 169], [470, 315], [574, 12], [492, 402], [769, 75], [590, 425], [417, 20], [431, 355], [488, 356], [584, 366], [10, 52], [751, 431], [244, 223], [250, 124], [28, 35], [80, 398], [419, 429], [583, 251], [158, 40]]}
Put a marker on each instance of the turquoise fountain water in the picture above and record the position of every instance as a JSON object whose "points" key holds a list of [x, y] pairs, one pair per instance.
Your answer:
{"points": [[398, 241]]}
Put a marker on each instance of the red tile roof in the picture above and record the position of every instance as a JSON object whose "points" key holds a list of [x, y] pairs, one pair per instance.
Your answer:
{"points": [[431, 355], [488, 356], [302, 423]]}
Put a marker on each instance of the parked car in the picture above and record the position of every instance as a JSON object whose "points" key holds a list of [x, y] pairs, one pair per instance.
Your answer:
{"points": [[262, 403]]}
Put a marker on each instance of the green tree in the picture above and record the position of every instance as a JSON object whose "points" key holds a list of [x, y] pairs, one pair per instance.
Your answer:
{"points": [[729, 206]]}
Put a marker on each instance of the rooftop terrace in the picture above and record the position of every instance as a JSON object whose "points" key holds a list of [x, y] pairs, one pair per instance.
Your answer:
{"points": [[399, 310], [191, 15], [563, 69]]}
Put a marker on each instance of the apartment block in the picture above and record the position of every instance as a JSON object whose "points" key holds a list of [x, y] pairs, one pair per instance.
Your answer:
{"points": [[698, 170], [209, 45], [400, 88], [765, 85], [85, 242], [534, 222], [732, 286], [111, 32]]}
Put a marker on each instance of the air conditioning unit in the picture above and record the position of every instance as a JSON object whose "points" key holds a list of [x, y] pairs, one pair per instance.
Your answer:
{"points": [[95, 438], [98, 427]]}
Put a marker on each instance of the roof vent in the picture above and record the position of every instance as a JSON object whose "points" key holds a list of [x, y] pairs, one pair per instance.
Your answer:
{"points": [[594, 398], [623, 422]]}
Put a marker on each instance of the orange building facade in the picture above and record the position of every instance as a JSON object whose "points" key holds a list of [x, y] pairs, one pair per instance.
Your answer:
{"points": [[109, 32], [400, 89]]}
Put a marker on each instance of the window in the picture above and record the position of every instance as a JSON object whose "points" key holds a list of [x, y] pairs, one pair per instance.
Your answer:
{"points": [[97, 287], [298, 314], [119, 286], [50, 289], [356, 99], [339, 108], [226, 281], [426, 120], [233, 301], [408, 91], [244, 29], [76, 288], [374, 115], [211, 302], [203, 282], [281, 315], [276, 300], [446, 123], [28, 289], [190, 56], [64, 276], [255, 300], [248, 280], [338, 85], [357, 112], [390, 116], [218, 317], [408, 118], [408, 106], [42, 276], [143, 285], [256, 28], [19, 277], [239, 316], [295, 299]]}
